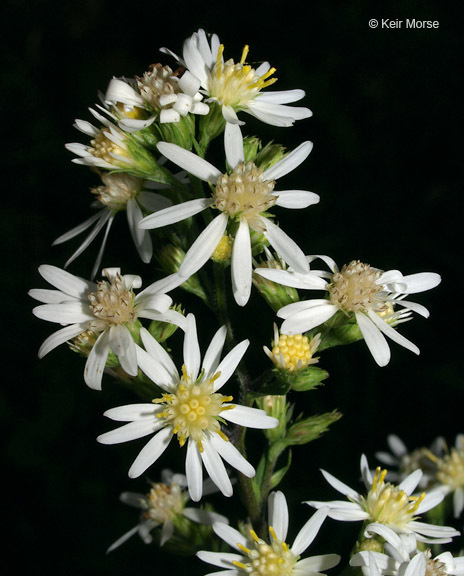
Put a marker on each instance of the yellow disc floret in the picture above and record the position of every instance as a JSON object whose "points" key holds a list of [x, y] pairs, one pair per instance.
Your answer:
{"points": [[274, 559], [194, 409], [236, 84], [293, 352], [388, 504]]}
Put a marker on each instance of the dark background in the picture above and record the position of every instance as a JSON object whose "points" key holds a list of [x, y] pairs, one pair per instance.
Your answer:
{"points": [[386, 163]]}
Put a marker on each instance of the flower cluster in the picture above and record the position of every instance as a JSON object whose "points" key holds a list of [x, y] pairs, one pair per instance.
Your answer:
{"points": [[234, 411]]}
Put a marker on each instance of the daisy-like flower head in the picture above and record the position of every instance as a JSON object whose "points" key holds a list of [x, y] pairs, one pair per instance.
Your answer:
{"points": [[104, 313], [258, 557], [450, 473], [362, 292], [119, 192], [236, 86], [243, 197], [162, 93], [387, 510], [406, 461], [292, 352], [192, 409], [163, 505], [420, 564]]}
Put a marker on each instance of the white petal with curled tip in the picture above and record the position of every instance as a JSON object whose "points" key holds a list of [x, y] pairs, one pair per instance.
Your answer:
{"points": [[175, 213], [212, 356], [229, 363], [392, 333], [151, 452], [60, 337], [315, 564], [194, 471], [230, 535], [192, 356], [194, 60], [120, 91], [418, 308], [278, 514], [285, 247], [190, 162], [289, 162], [232, 456], [421, 282], [241, 264], [189, 84], [282, 96], [222, 559], [66, 282], [131, 431], [215, 468], [249, 417], [233, 143], [154, 301], [123, 345], [374, 339], [309, 531], [203, 247], [308, 319], [295, 199], [95, 365]]}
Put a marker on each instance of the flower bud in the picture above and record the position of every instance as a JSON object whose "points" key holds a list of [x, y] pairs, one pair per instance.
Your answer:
{"points": [[170, 258], [161, 331], [276, 295]]}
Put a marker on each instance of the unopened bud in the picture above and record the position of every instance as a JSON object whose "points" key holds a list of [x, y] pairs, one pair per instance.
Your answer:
{"points": [[223, 251], [161, 331]]}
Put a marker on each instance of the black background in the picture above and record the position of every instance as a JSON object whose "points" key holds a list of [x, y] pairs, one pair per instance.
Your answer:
{"points": [[386, 163]]}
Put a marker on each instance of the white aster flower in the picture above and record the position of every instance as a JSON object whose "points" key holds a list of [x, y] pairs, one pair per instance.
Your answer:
{"points": [[387, 510], [256, 557], [368, 294], [420, 564], [161, 93], [406, 461], [162, 506], [450, 473], [237, 86], [108, 146], [192, 408], [119, 192], [104, 312], [243, 197]]}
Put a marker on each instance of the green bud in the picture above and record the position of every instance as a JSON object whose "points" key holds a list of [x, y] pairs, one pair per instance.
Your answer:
{"points": [[181, 133], [338, 331], [251, 146], [211, 125], [309, 429], [276, 295], [161, 331], [277, 407], [144, 164], [269, 155]]}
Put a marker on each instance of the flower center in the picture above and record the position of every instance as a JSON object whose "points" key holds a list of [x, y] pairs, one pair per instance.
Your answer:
{"points": [[102, 147], [112, 303], [388, 504], [245, 193], [118, 190], [451, 468], [157, 83], [434, 567], [354, 288], [164, 502], [293, 352], [236, 84], [273, 559], [194, 408]]}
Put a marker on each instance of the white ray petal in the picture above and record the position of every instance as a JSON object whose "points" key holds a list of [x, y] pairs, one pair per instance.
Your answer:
{"points": [[132, 431], [69, 284], [341, 486], [70, 312], [130, 412], [192, 356], [194, 471], [295, 199], [306, 281], [289, 162], [309, 531], [151, 452], [95, 365], [392, 333], [175, 213], [314, 564], [230, 535], [190, 162], [278, 514], [308, 319], [223, 559], [206, 243], [215, 468], [282, 96], [233, 143], [229, 363], [374, 339], [285, 247], [60, 337], [410, 483], [212, 356], [249, 417], [232, 456], [241, 264], [123, 345], [421, 282]]}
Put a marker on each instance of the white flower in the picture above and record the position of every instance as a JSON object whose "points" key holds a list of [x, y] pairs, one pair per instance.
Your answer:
{"points": [[120, 192], [450, 473], [107, 309], [191, 409], [237, 86], [387, 510], [420, 564], [243, 196], [161, 93], [108, 145], [162, 505], [257, 557], [368, 294], [407, 461]]}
